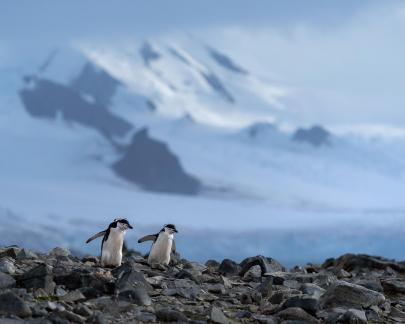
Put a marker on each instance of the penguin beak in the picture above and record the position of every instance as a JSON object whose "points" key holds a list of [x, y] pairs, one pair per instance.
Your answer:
{"points": [[129, 226], [176, 231]]}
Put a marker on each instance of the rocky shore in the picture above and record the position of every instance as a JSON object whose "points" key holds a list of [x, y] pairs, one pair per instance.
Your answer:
{"points": [[60, 288]]}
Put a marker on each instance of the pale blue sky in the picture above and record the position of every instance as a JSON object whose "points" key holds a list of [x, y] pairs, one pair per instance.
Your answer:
{"points": [[21, 20]]}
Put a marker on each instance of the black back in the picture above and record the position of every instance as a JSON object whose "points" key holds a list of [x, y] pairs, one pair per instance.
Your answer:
{"points": [[107, 232]]}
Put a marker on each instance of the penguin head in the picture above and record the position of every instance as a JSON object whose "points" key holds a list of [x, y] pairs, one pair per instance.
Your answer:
{"points": [[170, 229], [122, 224]]}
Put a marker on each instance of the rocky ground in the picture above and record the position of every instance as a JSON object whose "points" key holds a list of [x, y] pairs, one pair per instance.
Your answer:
{"points": [[61, 288]]}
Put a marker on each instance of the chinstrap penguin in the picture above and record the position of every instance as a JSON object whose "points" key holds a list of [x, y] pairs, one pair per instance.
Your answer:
{"points": [[113, 240], [163, 245]]}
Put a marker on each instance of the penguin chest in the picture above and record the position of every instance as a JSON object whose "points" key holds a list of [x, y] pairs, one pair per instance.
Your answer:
{"points": [[161, 249], [111, 253]]}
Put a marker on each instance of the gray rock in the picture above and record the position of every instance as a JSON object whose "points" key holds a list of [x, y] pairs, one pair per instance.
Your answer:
{"points": [[228, 268], [12, 321], [137, 295], [397, 315], [71, 317], [265, 288], [347, 294], [212, 264], [59, 291], [6, 281], [279, 277], [146, 317], [11, 304], [195, 266], [227, 283], [128, 278], [59, 251], [7, 266], [216, 288], [217, 316], [38, 277], [292, 284], [350, 262], [265, 319], [184, 288], [90, 258], [11, 251], [157, 282], [373, 284], [279, 296], [169, 315], [188, 274], [307, 303], [26, 254], [83, 310], [394, 286], [98, 318], [267, 265], [73, 296], [297, 314], [312, 290], [354, 316]]}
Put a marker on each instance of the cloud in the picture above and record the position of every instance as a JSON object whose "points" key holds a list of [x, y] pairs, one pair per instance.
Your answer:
{"points": [[350, 74]]}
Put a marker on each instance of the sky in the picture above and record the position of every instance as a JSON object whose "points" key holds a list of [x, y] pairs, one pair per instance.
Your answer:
{"points": [[343, 60], [47, 19]]}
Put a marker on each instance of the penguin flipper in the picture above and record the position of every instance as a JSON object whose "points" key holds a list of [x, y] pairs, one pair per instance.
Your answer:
{"points": [[151, 237], [102, 233], [173, 246]]}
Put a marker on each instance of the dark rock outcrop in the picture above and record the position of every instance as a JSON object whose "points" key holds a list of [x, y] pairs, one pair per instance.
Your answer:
{"points": [[150, 164], [210, 77], [316, 136], [48, 99], [148, 53], [225, 61], [97, 83]]}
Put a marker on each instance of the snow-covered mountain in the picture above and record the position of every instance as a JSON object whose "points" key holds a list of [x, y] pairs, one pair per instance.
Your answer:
{"points": [[161, 132]]}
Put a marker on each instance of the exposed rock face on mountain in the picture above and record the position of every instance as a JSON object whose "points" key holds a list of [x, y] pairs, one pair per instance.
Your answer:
{"points": [[316, 136], [225, 61], [48, 99], [259, 128], [97, 83], [150, 164], [60, 288], [148, 53], [210, 77]]}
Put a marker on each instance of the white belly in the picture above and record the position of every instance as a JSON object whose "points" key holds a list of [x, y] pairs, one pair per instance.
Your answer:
{"points": [[111, 254], [161, 249]]}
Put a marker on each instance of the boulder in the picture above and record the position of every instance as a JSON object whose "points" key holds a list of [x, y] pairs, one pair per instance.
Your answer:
{"points": [[11, 304], [138, 296], [170, 315], [347, 294], [267, 265], [6, 281], [228, 268], [38, 277]]}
